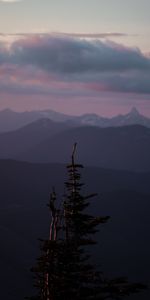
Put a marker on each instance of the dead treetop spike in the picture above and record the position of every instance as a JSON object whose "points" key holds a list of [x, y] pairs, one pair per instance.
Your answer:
{"points": [[74, 150]]}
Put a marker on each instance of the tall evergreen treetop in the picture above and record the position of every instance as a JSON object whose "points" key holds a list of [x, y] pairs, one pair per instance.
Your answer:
{"points": [[64, 271]]}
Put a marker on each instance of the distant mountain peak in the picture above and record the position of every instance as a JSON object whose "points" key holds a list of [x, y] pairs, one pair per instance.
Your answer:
{"points": [[134, 111]]}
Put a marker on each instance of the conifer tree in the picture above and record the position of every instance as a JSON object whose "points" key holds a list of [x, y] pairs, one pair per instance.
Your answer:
{"points": [[64, 270]]}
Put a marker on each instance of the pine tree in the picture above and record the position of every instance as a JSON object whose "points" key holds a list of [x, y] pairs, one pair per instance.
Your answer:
{"points": [[64, 271]]}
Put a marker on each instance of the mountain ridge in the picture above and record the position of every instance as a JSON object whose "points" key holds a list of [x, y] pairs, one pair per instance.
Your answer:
{"points": [[125, 147], [11, 120], [45, 141]]}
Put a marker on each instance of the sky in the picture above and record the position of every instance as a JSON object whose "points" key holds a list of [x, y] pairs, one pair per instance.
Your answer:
{"points": [[83, 56]]}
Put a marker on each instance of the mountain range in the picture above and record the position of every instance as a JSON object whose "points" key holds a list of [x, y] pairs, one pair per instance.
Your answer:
{"points": [[10, 120], [45, 141], [125, 147], [131, 118]]}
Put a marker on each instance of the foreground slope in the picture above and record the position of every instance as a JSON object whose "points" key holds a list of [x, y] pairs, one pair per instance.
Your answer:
{"points": [[24, 192]]}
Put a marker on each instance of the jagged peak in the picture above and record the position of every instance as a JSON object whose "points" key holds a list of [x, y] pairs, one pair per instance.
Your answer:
{"points": [[134, 111]]}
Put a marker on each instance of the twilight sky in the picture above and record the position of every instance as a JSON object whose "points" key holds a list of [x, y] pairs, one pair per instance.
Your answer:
{"points": [[75, 56]]}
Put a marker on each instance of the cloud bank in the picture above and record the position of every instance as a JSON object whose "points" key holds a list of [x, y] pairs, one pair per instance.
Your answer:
{"points": [[68, 55], [61, 65]]}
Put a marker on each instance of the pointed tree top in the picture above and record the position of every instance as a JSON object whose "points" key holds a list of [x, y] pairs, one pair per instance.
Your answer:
{"points": [[74, 151]]}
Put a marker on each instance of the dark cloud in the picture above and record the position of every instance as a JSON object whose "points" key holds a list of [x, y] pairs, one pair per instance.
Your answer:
{"points": [[95, 64], [131, 83], [72, 55]]}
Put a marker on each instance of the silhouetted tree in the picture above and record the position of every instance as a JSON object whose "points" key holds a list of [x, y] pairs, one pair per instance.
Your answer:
{"points": [[64, 270]]}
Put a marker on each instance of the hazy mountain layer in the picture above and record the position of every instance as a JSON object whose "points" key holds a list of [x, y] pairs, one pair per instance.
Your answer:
{"points": [[18, 141], [11, 120], [117, 148], [125, 147]]}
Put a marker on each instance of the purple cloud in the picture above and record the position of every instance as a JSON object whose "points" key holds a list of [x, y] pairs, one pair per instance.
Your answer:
{"points": [[71, 55], [71, 62]]}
